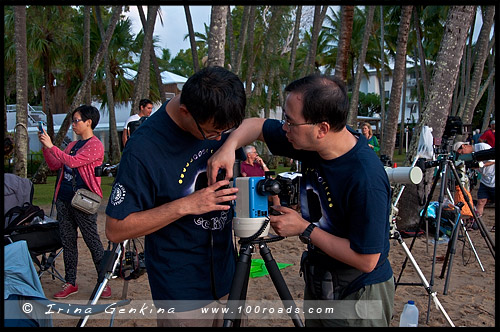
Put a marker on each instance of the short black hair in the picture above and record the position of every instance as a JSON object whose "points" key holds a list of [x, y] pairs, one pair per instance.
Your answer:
{"points": [[215, 93], [324, 99], [88, 112], [144, 102]]}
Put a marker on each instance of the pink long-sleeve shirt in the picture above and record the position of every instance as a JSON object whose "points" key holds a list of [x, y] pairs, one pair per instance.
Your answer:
{"points": [[85, 160]]}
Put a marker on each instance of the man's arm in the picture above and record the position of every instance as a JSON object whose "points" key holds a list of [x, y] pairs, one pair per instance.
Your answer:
{"points": [[249, 131], [290, 223], [124, 136], [145, 222]]}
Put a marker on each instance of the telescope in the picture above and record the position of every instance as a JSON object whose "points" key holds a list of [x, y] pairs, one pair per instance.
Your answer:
{"points": [[251, 204], [479, 155], [404, 175], [106, 170]]}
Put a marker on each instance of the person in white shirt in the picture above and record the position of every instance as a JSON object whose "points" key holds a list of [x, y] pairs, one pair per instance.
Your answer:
{"points": [[487, 183], [145, 109]]}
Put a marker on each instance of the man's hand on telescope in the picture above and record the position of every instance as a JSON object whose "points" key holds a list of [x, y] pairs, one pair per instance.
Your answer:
{"points": [[211, 198], [222, 159], [288, 223]]}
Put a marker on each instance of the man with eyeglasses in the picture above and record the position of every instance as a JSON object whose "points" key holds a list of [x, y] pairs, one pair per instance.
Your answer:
{"points": [[161, 192], [345, 202]]}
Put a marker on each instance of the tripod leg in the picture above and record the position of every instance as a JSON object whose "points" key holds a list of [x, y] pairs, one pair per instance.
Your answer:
{"points": [[472, 245], [484, 233], [239, 285], [452, 251], [279, 283], [109, 262], [427, 287]]}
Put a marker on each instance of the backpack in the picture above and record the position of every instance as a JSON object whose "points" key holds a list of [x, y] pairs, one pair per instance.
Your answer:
{"points": [[133, 125], [19, 216]]}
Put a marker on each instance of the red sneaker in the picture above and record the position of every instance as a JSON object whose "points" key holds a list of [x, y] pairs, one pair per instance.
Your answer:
{"points": [[67, 290], [106, 293]]}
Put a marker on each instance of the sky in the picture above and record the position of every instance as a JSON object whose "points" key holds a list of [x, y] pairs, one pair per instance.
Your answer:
{"points": [[171, 34]]}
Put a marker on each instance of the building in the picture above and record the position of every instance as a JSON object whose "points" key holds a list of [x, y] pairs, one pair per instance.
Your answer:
{"points": [[172, 82]]}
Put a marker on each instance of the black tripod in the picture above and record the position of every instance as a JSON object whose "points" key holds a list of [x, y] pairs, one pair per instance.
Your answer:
{"points": [[445, 165], [238, 292]]}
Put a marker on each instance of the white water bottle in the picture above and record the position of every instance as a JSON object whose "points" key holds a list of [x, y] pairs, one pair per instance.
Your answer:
{"points": [[409, 317]]}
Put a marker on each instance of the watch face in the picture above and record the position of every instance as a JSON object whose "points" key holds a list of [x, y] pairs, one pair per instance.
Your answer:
{"points": [[304, 239]]}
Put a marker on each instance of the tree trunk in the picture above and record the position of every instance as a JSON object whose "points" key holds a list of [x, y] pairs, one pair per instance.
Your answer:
{"points": [[423, 66], [437, 102], [250, 56], [319, 16], [347, 15], [230, 39], [21, 129], [295, 42], [142, 84], [114, 145], [41, 173], [403, 111], [390, 127], [154, 60], [353, 106], [490, 104], [194, 52], [217, 38], [86, 49], [382, 76], [467, 108], [242, 39]]}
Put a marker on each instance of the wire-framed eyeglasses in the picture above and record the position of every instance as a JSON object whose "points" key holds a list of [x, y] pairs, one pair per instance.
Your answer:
{"points": [[213, 136], [290, 124]]}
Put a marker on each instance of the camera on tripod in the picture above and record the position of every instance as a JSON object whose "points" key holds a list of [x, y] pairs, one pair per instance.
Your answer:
{"points": [[251, 205], [106, 170], [453, 127]]}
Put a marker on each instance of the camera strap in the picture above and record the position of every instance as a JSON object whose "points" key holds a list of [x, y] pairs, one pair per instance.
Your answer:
{"points": [[212, 272]]}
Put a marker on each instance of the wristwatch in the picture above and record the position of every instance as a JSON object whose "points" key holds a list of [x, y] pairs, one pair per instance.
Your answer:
{"points": [[305, 236]]}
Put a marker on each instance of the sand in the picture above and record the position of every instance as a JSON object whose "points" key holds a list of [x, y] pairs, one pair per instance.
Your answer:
{"points": [[469, 300]]}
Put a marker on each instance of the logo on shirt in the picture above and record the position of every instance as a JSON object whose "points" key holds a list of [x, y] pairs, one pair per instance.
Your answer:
{"points": [[117, 194]]}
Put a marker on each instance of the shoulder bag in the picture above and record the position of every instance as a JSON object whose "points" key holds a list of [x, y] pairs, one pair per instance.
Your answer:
{"points": [[85, 200]]}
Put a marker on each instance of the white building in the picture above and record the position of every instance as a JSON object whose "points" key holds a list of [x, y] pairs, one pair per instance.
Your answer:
{"points": [[122, 112], [371, 85]]}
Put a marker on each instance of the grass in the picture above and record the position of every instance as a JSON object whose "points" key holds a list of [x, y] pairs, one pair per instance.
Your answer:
{"points": [[45, 192]]}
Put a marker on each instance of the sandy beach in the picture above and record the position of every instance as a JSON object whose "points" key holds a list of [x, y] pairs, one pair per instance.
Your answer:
{"points": [[469, 300]]}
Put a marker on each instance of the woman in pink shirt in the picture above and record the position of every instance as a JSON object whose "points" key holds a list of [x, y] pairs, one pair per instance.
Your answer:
{"points": [[76, 166]]}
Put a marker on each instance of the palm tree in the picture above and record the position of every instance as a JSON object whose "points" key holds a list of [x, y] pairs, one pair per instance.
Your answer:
{"points": [[467, 107], [387, 146], [86, 48], [217, 37], [142, 82], [21, 133], [114, 143], [344, 42], [353, 108], [77, 100], [438, 102], [194, 52]]}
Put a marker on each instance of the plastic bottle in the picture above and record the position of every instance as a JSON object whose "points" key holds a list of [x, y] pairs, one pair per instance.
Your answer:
{"points": [[409, 317]]}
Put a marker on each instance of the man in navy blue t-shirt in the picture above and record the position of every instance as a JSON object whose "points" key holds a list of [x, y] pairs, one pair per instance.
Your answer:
{"points": [[161, 191], [345, 203]]}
